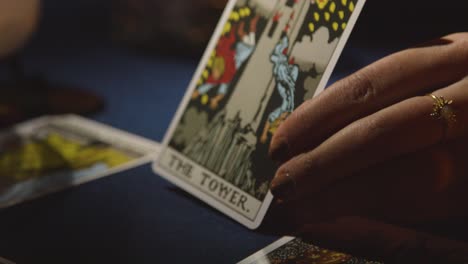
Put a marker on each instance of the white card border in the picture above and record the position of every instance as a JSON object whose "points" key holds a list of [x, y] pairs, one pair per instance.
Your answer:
{"points": [[215, 203], [257, 256], [187, 97]]}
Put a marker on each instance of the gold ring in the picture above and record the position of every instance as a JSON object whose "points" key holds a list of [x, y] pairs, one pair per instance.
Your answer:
{"points": [[443, 110]]}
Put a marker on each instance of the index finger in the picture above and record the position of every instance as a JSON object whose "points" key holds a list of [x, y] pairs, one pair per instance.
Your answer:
{"points": [[395, 78]]}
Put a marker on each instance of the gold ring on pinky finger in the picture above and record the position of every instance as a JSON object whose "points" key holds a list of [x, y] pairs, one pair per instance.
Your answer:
{"points": [[443, 110]]}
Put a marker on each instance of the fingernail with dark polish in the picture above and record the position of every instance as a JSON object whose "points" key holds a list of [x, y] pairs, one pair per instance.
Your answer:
{"points": [[279, 150], [283, 187]]}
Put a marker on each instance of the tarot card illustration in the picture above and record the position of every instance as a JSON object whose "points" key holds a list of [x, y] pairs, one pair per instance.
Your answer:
{"points": [[51, 153], [290, 250], [265, 59]]}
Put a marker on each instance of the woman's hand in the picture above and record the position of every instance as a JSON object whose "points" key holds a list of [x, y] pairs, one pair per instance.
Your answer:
{"points": [[368, 146]]}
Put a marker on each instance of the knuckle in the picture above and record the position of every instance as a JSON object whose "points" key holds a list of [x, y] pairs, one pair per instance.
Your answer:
{"points": [[460, 47], [371, 127], [361, 86], [295, 120], [464, 82], [302, 117], [458, 36]]}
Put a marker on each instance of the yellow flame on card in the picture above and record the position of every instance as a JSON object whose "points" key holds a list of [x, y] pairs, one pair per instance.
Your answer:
{"points": [[335, 26], [311, 27], [236, 16], [247, 11], [205, 99], [351, 6], [317, 16], [227, 28], [341, 14], [322, 3], [332, 7]]}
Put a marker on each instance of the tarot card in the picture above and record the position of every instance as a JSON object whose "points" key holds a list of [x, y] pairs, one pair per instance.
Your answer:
{"points": [[266, 58], [290, 250], [49, 154]]}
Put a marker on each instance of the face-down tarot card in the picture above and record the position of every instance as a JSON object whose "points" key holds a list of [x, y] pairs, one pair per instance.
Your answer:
{"points": [[290, 250]]}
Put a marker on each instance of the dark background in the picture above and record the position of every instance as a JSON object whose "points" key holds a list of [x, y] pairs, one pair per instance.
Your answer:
{"points": [[136, 216]]}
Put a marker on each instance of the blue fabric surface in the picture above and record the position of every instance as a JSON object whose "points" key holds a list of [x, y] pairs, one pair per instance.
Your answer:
{"points": [[134, 216]]}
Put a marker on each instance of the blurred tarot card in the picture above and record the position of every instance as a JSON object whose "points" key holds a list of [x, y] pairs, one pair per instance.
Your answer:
{"points": [[265, 58], [49, 154], [289, 250], [5, 261]]}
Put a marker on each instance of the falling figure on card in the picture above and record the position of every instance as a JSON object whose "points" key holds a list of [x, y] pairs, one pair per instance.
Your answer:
{"points": [[286, 74], [232, 52]]}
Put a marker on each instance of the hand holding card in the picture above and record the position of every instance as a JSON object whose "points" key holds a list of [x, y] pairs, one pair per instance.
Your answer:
{"points": [[389, 120], [396, 157], [265, 58]]}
